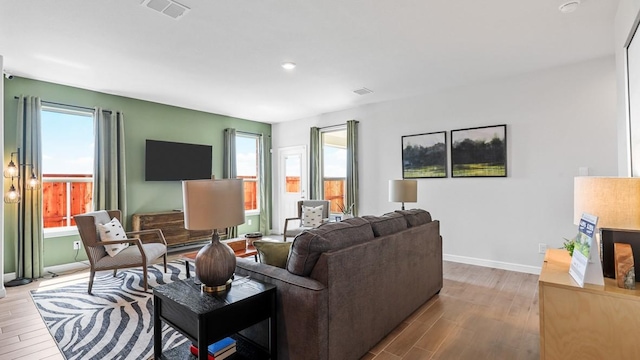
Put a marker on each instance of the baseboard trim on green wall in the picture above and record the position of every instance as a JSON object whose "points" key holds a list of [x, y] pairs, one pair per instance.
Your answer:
{"points": [[55, 269]]}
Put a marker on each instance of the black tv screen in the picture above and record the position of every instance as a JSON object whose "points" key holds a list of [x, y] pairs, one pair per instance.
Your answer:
{"points": [[169, 161]]}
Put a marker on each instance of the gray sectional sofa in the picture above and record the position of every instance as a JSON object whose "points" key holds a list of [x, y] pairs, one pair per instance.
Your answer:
{"points": [[348, 284]]}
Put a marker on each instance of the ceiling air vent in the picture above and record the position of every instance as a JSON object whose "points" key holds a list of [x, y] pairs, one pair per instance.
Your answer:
{"points": [[167, 7], [363, 91]]}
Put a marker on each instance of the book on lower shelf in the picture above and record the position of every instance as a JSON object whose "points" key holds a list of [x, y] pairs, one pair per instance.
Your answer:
{"points": [[219, 350]]}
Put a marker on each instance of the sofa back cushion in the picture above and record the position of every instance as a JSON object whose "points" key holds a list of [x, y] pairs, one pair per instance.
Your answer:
{"points": [[308, 245], [415, 217], [386, 224]]}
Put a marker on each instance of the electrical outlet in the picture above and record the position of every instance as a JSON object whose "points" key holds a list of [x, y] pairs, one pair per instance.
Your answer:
{"points": [[542, 248], [76, 245], [249, 222]]}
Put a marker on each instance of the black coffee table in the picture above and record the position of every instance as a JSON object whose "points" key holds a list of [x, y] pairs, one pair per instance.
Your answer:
{"points": [[206, 318]]}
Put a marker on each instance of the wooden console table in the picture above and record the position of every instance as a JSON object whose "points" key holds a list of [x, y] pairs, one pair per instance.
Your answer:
{"points": [[172, 225], [594, 322]]}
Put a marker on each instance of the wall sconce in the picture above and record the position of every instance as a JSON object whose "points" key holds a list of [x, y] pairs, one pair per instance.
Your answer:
{"points": [[13, 172]]}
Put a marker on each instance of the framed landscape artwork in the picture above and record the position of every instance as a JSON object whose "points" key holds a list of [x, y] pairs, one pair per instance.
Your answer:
{"points": [[424, 155], [479, 152]]}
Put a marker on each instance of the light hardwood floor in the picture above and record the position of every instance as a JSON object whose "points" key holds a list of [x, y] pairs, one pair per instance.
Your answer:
{"points": [[481, 313]]}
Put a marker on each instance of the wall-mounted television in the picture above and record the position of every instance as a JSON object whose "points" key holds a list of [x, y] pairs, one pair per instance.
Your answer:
{"points": [[171, 161]]}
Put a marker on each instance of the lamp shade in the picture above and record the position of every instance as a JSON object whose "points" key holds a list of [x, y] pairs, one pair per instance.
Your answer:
{"points": [[403, 191], [614, 200], [213, 204]]}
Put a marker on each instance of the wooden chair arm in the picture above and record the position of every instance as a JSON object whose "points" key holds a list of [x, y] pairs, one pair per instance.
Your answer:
{"points": [[158, 232], [132, 241], [286, 225]]}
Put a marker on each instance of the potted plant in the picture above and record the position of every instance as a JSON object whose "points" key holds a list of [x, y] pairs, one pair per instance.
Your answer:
{"points": [[569, 245], [346, 211]]}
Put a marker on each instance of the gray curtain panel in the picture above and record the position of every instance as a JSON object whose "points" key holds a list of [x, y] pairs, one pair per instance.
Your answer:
{"points": [[109, 171], [316, 189], [352, 166], [30, 254], [229, 170], [265, 194]]}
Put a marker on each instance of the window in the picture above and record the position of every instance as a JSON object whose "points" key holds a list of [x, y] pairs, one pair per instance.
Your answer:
{"points": [[67, 167], [247, 167], [334, 167]]}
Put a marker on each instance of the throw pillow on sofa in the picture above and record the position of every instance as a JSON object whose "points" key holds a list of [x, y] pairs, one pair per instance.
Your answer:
{"points": [[311, 216], [273, 253], [113, 231]]}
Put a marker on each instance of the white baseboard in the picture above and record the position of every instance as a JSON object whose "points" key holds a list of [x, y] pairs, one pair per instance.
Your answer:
{"points": [[493, 264], [56, 269]]}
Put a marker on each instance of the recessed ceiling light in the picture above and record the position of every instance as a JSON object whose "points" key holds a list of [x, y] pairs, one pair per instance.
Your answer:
{"points": [[288, 65], [569, 7]]}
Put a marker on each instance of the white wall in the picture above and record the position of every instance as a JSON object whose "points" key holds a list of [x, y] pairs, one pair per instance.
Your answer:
{"points": [[627, 13], [3, 292], [557, 121]]}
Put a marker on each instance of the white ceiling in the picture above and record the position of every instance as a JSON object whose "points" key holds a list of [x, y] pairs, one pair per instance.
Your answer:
{"points": [[224, 56]]}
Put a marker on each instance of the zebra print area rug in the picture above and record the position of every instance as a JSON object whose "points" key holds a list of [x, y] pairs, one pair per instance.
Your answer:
{"points": [[115, 322]]}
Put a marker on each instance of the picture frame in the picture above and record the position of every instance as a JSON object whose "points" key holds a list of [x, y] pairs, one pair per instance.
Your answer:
{"points": [[479, 152], [424, 155]]}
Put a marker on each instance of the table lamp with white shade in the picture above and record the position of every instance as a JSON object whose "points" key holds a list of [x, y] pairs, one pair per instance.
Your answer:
{"points": [[213, 205], [403, 191], [614, 200], [616, 203]]}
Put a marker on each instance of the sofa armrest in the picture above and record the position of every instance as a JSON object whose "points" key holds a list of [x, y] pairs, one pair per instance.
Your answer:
{"points": [[272, 274], [302, 308]]}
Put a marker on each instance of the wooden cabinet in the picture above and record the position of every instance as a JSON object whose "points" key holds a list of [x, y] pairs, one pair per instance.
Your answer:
{"points": [[594, 322], [172, 225]]}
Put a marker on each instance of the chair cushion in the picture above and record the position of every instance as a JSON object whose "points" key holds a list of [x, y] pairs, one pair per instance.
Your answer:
{"points": [[415, 217], [386, 224], [131, 256], [312, 216], [309, 245], [273, 253], [112, 231]]}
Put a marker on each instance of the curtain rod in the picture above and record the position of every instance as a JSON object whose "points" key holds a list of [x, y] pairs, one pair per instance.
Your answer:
{"points": [[336, 125], [66, 105], [248, 133]]}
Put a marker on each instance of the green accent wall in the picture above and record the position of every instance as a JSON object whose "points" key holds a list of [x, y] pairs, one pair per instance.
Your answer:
{"points": [[143, 120]]}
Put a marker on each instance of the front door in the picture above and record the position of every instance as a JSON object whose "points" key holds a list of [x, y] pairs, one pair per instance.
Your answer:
{"points": [[292, 181]]}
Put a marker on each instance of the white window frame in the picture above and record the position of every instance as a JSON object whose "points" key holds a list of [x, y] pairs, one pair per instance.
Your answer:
{"points": [[324, 131], [62, 231], [258, 163]]}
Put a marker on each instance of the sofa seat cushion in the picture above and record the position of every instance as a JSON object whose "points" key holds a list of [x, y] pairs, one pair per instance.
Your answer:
{"points": [[415, 217], [308, 246], [386, 224]]}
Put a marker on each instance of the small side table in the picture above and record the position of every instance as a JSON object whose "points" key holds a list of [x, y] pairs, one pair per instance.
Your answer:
{"points": [[206, 318]]}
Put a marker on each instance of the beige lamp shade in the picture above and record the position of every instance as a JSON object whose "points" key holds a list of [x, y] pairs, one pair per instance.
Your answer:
{"points": [[403, 191], [213, 204], [614, 200]]}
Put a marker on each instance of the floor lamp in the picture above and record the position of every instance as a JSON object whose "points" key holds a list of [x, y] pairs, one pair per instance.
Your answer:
{"points": [[13, 196]]}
